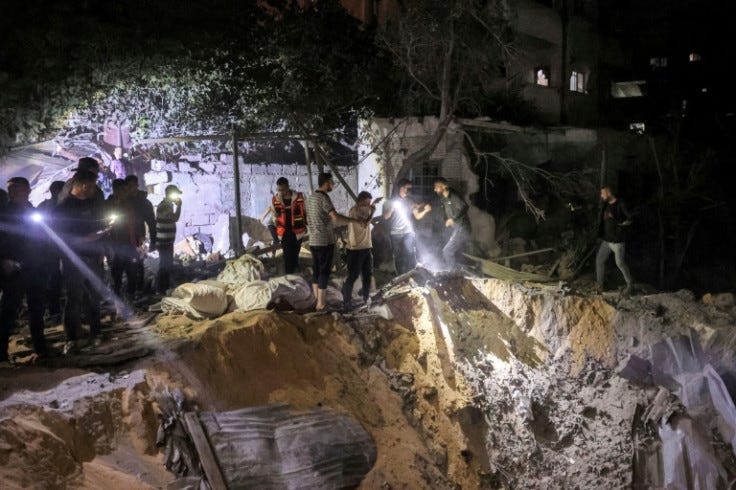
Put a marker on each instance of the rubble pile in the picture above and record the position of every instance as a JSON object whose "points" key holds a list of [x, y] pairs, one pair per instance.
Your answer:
{"points": [[90, 431], [460, 383]]}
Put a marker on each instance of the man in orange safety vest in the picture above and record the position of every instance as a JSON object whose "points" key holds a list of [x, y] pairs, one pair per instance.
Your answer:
{"points": [[290, 218]]}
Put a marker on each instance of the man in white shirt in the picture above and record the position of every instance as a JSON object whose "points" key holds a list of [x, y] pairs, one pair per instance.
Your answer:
{"points": [[360, 249]]}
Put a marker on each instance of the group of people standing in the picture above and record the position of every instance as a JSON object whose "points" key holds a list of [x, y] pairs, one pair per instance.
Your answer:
{"points": [[293, 217], [64, 243]]}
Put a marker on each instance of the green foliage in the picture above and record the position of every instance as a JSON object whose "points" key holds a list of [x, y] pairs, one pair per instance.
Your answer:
{"points": [[200, 73]]}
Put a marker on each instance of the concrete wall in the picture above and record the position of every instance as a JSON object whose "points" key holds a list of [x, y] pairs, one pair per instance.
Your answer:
{"points": [[208, 188], [385, 143], [540, 42]]}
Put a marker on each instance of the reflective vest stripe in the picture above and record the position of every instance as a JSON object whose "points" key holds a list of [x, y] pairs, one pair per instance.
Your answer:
{"points": [[298, 215]]}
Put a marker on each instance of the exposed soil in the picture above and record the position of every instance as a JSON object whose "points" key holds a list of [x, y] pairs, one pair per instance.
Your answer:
{"points": [[471, 383]]}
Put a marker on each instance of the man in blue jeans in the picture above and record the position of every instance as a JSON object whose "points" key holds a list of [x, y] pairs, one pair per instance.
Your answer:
{"points": [[456, 222], [400, 212], [614, 221]]}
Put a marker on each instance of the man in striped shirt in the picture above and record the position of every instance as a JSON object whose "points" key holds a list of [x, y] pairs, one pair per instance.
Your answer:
{"points": [[321, 218], [167, 214]]}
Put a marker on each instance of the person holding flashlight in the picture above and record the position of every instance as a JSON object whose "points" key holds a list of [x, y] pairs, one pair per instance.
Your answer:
{"points": [[167, 214], [123, 241], [21, 266]]}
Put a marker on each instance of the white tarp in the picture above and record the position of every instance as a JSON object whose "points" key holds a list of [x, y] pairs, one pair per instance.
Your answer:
{"points": [[206, 299], [291, 290], [241, 271]]}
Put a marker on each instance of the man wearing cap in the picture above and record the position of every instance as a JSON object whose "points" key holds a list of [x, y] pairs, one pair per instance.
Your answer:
{"points": [[87, 164], [21, 266], [167, 214]]}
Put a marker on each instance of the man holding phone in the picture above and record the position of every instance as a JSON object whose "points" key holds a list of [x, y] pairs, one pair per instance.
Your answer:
{"points": [[360, 249], [82, 224]]}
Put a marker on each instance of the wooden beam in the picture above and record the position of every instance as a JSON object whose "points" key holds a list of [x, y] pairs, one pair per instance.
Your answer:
{"points": [[490, 127], [335, 172], [238, 204], [204, 450], [308, 161], [525, 254], [221, 137]]}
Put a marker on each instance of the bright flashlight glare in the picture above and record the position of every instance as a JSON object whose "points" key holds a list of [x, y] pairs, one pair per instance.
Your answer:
{"points": [[113, 217], [36, 217], [175, 195]]}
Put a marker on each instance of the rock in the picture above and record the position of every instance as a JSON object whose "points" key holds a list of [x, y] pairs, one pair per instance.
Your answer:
{"points": [[724, 301]]}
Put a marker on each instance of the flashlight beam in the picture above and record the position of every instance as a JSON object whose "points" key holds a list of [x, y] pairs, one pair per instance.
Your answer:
{"points": [[93, 279]]}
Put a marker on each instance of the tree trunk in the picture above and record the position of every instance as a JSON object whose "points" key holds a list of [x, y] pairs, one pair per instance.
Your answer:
{"points": [[660, 220]]}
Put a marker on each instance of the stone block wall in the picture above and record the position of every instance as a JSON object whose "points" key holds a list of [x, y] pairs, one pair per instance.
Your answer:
{"points": [[208, 189]]}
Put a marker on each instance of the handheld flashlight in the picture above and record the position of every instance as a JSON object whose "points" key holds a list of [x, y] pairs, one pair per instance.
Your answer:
{"points": [[175, 195], [112, 218], [36, 217]]}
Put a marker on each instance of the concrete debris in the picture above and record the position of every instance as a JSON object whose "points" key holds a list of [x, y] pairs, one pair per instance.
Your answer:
{"points": [[686, 454], [180, 455]]}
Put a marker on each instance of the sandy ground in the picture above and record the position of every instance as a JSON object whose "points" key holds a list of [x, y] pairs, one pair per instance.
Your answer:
{"points": [[469, 384]]}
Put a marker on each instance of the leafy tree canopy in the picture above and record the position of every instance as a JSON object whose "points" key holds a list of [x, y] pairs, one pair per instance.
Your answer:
{"points": [[182, 67]]}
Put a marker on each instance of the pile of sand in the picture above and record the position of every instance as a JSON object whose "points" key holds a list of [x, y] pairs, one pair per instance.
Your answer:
{"points": [[470, 384]]}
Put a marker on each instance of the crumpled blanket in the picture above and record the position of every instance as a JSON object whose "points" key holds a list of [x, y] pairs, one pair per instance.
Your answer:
{"points": [[292, 290], [205, 299], [242, 270]]}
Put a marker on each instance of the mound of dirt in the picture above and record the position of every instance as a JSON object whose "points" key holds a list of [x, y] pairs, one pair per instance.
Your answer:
{"points": [[88, 429], [468, 384]]}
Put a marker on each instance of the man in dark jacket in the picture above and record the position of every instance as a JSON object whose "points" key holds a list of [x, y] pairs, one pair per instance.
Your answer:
{"points": [[456, 221], [88, 164], [21, 238], [82, 225], [123, 241], [144, 217], [614, 221], [52, 261]]}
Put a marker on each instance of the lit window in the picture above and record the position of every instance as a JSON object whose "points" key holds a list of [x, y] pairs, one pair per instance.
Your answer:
{"points": [[577, 82], [660, 62], [694, 57], [541, 76], [624, 90], [638, 127]]}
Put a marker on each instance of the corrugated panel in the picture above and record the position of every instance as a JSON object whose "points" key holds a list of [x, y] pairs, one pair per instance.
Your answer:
{"points": [[271, 447]]}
